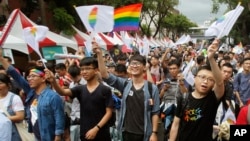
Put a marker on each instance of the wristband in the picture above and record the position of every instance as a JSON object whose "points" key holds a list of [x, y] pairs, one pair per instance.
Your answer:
{"points": [[155, 132], [98, 127]]}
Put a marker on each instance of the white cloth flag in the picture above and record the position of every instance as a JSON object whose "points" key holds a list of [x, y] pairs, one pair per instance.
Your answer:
{"points": [[98, 18], [224, 24], [33, 35], [183, 39], [144, 48], [187, 73]]}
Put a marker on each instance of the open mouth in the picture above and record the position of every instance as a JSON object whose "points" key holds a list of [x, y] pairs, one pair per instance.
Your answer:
{"points": [[203, 86]]}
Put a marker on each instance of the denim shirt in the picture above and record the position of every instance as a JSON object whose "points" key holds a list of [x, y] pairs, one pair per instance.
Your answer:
{"points": [[241, 84], [50, 108], [123, 86]]}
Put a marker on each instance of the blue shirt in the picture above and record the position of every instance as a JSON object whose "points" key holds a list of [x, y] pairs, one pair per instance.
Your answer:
{"points": [[50, 108], [123, 86], [242, 85]]}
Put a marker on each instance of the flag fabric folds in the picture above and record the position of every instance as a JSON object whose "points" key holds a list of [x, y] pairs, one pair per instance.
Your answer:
{"points": [[224, 24], [33, 35], [97, 18], [127, 18]]}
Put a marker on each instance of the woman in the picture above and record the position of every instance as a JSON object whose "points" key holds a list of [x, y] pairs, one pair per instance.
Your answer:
{"points": [[11, 103]]}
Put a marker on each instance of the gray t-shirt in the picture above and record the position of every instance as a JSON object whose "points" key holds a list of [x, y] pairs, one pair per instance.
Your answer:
{"points": [[171, 94]]}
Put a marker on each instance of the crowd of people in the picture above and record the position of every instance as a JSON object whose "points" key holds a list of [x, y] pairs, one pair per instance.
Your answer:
{"points": [[74, 101]]}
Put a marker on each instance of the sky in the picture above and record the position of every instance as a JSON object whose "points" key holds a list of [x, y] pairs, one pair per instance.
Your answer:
{"points": [[199, 11]]}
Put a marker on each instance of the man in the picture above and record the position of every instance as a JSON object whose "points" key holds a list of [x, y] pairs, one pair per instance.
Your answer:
{"points": [[95, 100], [227, 73], [64, 80], [77, 79], [194, 117], [156, 69], [62, 74], [139, 108], [242, 85], [43, 107], [173, 86]]}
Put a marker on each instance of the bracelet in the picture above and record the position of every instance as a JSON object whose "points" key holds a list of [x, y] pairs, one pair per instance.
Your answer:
{"points": [[98, 127], [155, 132]]}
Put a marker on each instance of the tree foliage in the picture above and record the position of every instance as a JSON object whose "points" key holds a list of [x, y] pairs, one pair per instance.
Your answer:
{"points": [[153, 18], [154, 12], [177, 24], [241, 29], [63, 21]]}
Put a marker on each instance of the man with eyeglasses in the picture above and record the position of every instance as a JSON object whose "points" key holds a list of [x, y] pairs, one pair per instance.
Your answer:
{"points": [[139, 115], [96, 103], [43, 106], [195, 115]]}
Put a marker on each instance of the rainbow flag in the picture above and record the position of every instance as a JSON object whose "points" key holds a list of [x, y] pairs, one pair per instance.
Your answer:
{"points": [[127, 17]]}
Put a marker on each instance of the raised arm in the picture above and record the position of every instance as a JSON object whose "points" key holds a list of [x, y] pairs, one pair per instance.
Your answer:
{"points": [[51, 78], [101, 64], [219, 83]]}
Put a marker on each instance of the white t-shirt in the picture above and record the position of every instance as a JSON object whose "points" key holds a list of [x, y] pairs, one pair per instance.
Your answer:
{"points": [[5, 128], [17, 104]]}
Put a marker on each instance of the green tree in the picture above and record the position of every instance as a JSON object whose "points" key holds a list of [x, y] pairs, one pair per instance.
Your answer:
{"points": [[241, 29], [177, 24], [63, 21], [154, 12]]}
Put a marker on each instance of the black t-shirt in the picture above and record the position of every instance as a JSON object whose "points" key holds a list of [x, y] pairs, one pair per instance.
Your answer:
{"points": [[134, 116], [93, 108], [197, 118]]}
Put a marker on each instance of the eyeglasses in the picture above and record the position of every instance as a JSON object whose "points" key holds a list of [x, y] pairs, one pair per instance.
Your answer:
{"points": [[135, 64], [32, 76], [87, 69], [203, 78]]}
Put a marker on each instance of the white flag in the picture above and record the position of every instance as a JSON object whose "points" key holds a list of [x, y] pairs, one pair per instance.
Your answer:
{"points": [[224, 24], [98, 18], [33, 35], [183, 39]]}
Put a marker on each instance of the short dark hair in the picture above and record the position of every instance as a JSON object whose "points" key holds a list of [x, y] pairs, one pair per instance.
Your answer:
{"points": [[156, 57], [74, 71], [139, 58], [226, 58], [87, 61], [121, 68], [229, 65], [174, 62], [200, 59], [60, 66], [205, 67], [5, 79], [245, 59]]}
